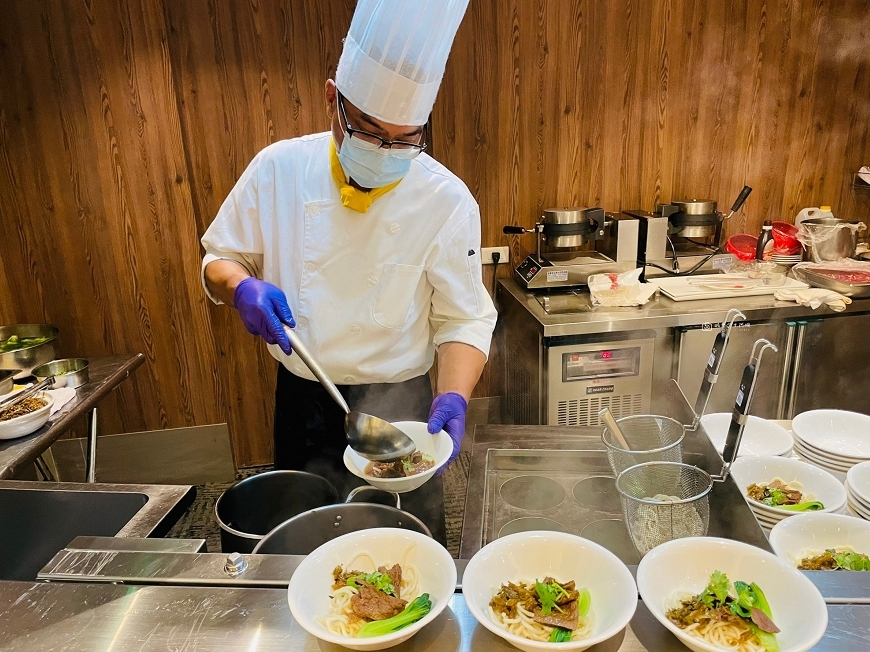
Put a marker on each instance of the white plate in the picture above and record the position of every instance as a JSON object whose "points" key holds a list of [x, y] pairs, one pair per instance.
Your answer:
{"points": [[684, 567], [860, 511], [859, 481], [439, 446], [535, 555], [821, 460], [760, 437], [845, 434], [819, 484], [807, 534], [311, 583], [27, 423], [827, 455]]}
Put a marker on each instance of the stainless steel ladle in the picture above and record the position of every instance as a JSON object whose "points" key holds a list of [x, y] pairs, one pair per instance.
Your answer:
{"points": [[371, 437]]}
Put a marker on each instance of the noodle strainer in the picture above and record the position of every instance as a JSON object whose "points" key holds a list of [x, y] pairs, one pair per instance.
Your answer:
{"points": [[652, 438], [663, 501]]}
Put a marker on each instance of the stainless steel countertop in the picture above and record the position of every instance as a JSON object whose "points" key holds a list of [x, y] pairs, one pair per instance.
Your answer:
{"points": [[105, 373], [575, 315], [86, 617], [165, 502]]}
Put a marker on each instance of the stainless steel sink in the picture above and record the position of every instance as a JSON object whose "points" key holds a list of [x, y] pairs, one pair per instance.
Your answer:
{"points": [[36, 523]]}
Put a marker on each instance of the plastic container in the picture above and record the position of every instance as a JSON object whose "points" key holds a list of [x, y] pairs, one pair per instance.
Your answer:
{"points": [[785, 240], [742, 245], [813, 213]]}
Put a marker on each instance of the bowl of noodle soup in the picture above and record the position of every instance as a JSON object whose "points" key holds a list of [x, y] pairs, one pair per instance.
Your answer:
{"points": [[530, 556], [324, 613], [680, 569]]}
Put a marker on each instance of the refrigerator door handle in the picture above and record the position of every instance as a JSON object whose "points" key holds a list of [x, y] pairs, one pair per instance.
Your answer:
{"points": [[800, 332], [788, 354]]}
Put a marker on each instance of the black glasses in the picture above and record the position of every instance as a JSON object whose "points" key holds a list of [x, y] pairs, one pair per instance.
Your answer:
{"points": [[368, 141]]}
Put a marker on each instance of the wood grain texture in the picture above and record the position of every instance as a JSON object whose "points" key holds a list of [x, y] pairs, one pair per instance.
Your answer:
{"points": [[625, 104], [125, 123]]}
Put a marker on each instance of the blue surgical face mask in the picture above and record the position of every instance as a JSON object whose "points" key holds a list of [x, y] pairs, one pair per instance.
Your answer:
{"points": [[371, 168]]}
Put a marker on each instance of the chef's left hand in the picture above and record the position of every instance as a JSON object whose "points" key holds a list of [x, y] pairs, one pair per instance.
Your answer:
{"points": [[448, 413]]}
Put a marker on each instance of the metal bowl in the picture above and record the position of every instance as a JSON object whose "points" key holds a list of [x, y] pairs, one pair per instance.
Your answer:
{"points": [[25, 360], [69, 372], [6, 381]]}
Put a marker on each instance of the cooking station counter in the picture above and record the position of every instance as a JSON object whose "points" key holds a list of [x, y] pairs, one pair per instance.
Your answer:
{"points": [[572, 313], [60, 617], [555, 477]]}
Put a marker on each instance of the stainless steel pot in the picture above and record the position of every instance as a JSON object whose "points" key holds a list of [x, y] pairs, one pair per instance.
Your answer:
{"points": [[249, 509], [829, 239], [303, 534], [25, 360], [70, 372]]}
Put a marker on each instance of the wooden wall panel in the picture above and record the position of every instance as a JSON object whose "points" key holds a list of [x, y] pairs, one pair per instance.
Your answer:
{"points": [[625, 104], [124, 124]]}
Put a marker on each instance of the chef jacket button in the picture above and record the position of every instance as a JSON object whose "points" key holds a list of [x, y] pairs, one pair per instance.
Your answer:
{"points": [[310, 268], [356, 330], [372, 281], [302, 321], [348, 379], [394, 228]]}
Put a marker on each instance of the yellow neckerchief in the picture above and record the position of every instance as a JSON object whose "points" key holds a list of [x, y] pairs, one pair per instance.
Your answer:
{"points": [[354, 198]]}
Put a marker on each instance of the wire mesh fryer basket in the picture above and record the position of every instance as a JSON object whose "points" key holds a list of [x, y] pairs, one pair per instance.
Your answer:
{"points": [[663, 501], [652, 438]]}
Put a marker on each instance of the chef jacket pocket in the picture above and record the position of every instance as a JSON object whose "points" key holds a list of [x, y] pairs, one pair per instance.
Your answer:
{"points": [[396, 294]]}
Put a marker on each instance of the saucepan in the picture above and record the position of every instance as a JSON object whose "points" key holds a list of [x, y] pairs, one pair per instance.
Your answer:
{"points": [[249, 509]]}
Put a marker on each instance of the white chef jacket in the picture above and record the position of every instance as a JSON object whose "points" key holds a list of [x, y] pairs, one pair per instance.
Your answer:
{"points": [[374, 293]]}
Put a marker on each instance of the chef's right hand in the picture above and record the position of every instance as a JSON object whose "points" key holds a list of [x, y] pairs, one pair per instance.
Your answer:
{"points": [[263, 308]]}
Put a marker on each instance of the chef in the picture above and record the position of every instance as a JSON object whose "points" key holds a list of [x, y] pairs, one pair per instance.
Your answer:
{"points": [[368, 247]]}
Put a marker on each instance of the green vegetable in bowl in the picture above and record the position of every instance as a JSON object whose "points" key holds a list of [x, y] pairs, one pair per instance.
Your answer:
{"points": [[380, 581], [14, 343], [851, 560], [412, 613]]}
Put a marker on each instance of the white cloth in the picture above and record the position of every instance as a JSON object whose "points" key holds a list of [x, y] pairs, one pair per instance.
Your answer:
{"points": [[373, 293], [394, 56], [814, 298]]}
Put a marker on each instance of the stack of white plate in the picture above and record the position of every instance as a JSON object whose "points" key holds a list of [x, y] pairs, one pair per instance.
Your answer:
{"points": [[787, 260], [834, 440], [816, 485], [858, 489], [760, 436]]}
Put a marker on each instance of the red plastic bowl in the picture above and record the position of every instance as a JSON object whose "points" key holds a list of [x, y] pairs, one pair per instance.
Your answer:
{"points": [[742, 245], [785, 240]]}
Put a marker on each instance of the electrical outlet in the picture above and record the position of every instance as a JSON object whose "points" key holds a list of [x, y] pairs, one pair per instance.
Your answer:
{"points": [[486, 255]]}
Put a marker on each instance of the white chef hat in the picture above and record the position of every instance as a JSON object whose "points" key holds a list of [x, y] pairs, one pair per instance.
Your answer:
{"points": [[394, 56]]}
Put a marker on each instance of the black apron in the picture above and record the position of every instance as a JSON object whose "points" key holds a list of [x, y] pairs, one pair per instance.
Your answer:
{"points": [[309, 434]]}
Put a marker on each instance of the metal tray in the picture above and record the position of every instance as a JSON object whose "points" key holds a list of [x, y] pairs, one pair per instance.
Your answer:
{"points": [[562, 490], [857, 290]]}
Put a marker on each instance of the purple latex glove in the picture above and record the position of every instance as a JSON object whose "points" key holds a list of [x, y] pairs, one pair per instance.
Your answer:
{"points": [[448, 413], [263, 307]]}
